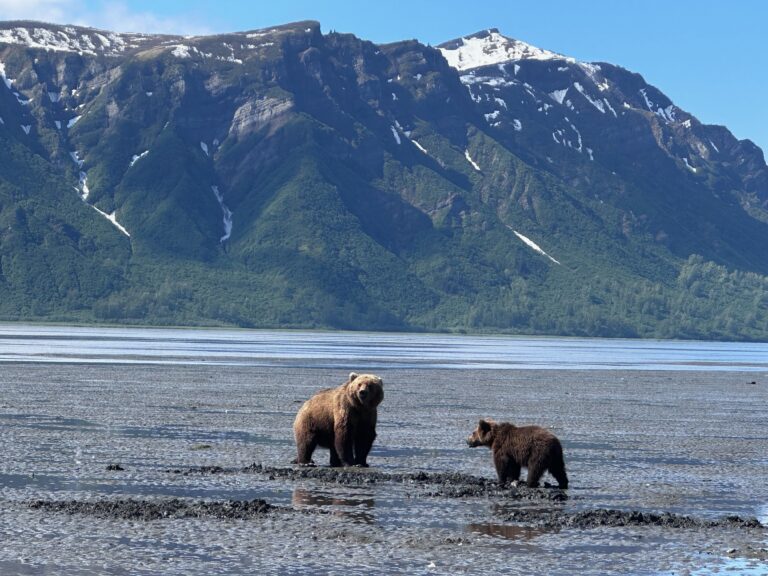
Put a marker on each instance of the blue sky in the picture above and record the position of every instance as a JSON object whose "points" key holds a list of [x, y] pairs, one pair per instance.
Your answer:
{"points": [[708, 56]]}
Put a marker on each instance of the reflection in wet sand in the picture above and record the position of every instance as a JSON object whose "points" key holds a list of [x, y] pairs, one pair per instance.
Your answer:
{"points": [[762, 514], [507, 531], [354, 508], [740, 566]]}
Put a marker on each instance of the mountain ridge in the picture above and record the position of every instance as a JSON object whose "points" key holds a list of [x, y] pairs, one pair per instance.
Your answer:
{"points": [[287, 178]]}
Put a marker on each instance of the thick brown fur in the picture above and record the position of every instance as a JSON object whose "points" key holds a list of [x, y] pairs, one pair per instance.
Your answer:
{"points": [[514, 447], [342, 419]]}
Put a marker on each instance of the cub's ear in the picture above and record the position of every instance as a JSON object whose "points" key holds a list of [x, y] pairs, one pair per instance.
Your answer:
{"points": [[352, 376], [484, 426]]}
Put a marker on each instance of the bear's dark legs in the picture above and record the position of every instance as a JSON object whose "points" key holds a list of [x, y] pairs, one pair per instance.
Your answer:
{"points": [[363, 444], [343, 445], [335, 460], [506, 468], [557, 469], [535, 472], [305, 449], [561, 477], [500, 463]]}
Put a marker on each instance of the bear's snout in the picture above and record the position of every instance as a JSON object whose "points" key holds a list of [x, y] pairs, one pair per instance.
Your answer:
{"points": [[363, 393]]}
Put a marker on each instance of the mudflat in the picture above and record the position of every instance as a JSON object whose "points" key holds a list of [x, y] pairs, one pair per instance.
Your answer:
{"points": [[139, 469]]}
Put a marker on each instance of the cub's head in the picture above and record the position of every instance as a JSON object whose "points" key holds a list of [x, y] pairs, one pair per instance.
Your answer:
{"points": [[366, 389], [483, 434]]}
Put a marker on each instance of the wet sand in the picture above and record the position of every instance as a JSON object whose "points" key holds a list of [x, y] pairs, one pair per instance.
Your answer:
{"points": [[185, 470]]}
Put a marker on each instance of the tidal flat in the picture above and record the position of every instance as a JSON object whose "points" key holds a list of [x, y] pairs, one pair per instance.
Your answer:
{"points": [[147, 469]]}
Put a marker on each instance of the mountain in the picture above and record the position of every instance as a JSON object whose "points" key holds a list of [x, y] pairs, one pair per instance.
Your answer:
{"points": [[288, 178]]}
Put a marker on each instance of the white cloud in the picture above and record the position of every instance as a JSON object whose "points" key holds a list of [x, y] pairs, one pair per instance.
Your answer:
{"points": [[115, 16], [119, 17], [43, 10]]}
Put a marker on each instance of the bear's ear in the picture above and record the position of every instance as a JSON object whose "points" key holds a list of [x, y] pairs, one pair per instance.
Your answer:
{"points": [[484, 426], [352, 376]]}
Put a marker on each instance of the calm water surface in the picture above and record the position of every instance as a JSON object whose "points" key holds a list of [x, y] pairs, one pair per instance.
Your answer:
{"points": [[24, 343]]}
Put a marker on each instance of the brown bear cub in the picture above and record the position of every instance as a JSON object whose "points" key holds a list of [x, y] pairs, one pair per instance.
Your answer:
{"points": [[342, 419], [514, 447]]}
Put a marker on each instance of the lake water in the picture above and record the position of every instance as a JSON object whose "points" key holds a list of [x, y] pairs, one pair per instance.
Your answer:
{"points": [[649, 426], [92, 345]]}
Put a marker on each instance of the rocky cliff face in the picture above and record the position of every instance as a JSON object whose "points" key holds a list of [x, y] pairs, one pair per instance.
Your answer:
{"points": [[283, 177]]}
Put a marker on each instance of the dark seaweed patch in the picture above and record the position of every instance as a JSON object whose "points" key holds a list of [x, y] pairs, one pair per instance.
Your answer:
{"points": [[131, 509], [552, 519], [437, 484]]}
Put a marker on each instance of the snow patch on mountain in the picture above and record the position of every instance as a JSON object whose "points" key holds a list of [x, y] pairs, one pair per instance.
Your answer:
{"points": [[668, 113], [562, 137], [558, 95], [21, 99], [578, 136], [420, 147], [181, 51], [476, 98], [648, 101], [472, 162], [137, 157], [72, 39], [8, 82], [227, 213], [395, 134], [84, 191], [591, 70], [492, 81], [531, 244], [596, 103], [687, 165], [112, 218], [231, 57], [491, 48]]}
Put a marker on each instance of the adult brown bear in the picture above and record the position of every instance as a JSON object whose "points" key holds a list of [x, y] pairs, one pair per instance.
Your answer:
{"points": [[514, 447], [342, 419]]}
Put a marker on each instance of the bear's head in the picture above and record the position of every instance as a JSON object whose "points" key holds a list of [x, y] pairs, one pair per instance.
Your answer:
{"points": [[483, 434], [365, 389]]}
